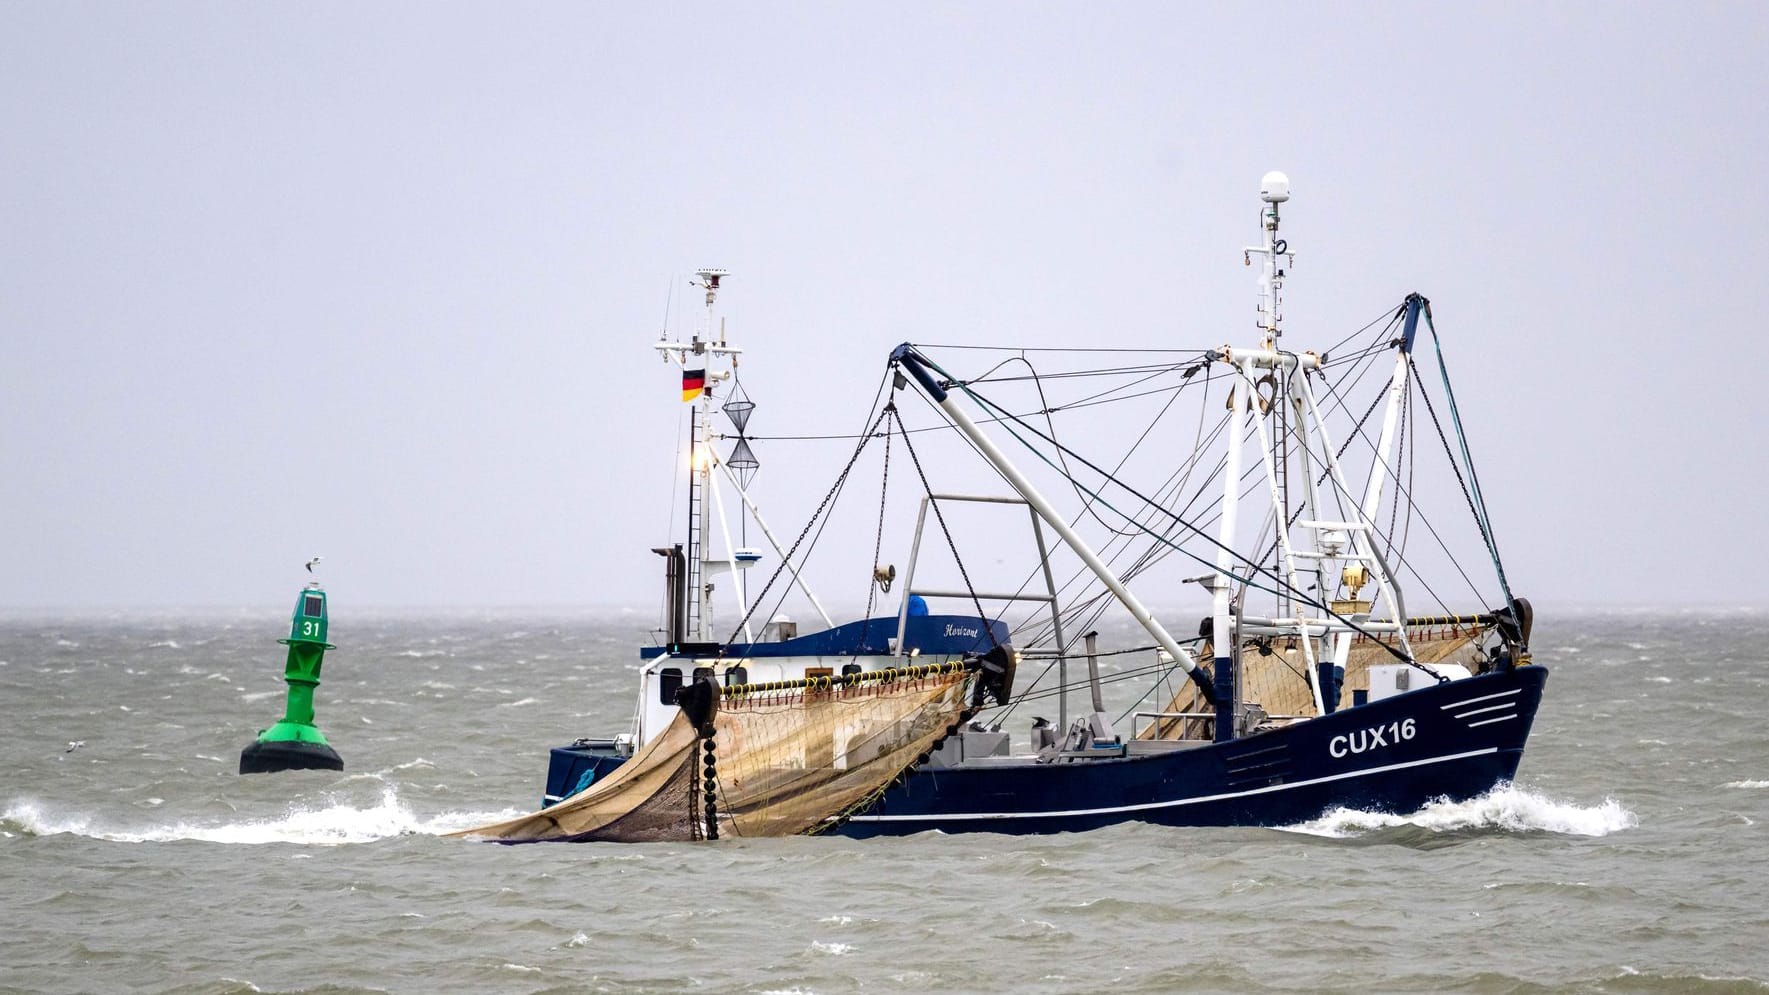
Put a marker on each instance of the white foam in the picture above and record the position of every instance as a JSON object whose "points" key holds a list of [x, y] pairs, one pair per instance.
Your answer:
{"points": [[832, 949], [1746, 784], [325, 825], [1507, 808]]}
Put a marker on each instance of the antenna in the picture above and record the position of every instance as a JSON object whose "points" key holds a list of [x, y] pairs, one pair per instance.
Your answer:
{"points": [[669, 298], [709, 278], [1274, 189]]}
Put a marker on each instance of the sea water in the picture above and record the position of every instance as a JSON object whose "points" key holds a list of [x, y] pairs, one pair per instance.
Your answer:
{"points": [[1631, 855]]}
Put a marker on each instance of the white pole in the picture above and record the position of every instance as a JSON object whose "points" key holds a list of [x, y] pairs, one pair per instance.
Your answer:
{"points": [[756, 513], [909, 581], [1268, 454], [731, 557], [1397, 387], [1222, 629], [1362, 537]]}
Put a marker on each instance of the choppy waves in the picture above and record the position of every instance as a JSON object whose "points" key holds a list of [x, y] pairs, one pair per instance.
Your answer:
{"points": [[328, 823], [1507, 809]]}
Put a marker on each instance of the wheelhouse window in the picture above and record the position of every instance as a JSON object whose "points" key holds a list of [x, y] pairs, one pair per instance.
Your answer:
{"points": [[669, 681]]}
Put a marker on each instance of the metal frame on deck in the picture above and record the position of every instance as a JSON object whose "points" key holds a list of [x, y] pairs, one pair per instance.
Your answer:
{"points": [[1049, 598]]}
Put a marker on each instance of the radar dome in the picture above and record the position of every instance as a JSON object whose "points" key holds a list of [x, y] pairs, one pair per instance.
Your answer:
{"points": [[1274, 187]]}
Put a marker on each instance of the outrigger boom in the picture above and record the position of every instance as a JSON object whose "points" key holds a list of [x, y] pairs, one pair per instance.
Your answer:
{"points": [[1348, 540], [906, 357]]}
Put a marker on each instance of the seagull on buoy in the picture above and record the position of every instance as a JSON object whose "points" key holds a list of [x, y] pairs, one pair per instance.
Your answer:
{"points": [[311, 563]]}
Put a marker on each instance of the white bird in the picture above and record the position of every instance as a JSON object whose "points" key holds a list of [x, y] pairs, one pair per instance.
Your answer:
{"points": [[74, 745], [311, 563]]}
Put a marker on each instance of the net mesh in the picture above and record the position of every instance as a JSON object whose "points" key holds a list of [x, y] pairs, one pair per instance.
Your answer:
{"points": [[783, 759], [1278, 683]]}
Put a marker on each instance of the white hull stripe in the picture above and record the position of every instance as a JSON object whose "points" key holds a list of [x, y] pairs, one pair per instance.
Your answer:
{"points": [[1490, 708], [954, 817], [1488, 722], [1484, 697]]}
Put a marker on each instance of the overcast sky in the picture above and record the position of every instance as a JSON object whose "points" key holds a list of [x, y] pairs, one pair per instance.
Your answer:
{"points": [[380, 281]]}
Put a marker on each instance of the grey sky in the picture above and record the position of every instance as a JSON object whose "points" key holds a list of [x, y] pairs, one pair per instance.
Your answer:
{"points": [[380, 281]]}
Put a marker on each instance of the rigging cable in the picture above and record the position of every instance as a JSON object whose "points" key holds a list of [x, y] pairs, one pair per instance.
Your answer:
{"points": [[1478, 501], [1336, 395], [872, 583], [1256, 568], [840, 480]]}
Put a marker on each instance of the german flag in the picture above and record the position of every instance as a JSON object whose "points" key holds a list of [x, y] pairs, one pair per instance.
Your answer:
{"points": [[693, 383]]}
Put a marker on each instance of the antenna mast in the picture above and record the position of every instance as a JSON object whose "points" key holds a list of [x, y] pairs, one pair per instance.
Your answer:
{"points": [[1274, 189], [693, 356]]}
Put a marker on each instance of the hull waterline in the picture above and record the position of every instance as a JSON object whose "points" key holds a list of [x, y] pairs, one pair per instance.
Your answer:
{"points": [[1454, 741]]}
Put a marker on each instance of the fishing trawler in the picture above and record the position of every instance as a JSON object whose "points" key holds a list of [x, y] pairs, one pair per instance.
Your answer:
{"points": [[1307, 685]]}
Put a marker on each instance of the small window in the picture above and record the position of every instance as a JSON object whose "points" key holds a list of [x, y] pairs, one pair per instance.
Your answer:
{"points": [[701, 673], [850, 668], [669, 681], [736, 676], [313, 606]]}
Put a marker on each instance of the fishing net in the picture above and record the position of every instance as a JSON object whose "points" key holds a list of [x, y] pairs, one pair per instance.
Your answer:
{"points": [[1278, 681], [782, 759]]}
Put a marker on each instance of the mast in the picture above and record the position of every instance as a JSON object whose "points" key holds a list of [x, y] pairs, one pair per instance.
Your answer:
{"points": [[1351, 542], [707, 361], [1323, 628], [1223, 633], [1225, 636], [696, 357], [1274, 189], [1397, 390]]}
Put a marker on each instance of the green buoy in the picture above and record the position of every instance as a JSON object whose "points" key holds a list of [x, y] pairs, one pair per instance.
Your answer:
{"points": [[295, 743]]}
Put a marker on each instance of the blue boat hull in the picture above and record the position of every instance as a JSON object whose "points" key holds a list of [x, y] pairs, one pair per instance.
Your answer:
{"points": [[1454, 741]]}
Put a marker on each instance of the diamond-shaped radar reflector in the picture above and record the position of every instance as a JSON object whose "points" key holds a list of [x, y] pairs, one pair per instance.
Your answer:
{"points": [[742, 457], [738, 411]]}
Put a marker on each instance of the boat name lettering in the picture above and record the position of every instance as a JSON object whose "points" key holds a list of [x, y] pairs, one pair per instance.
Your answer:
{"points": [[961, 630], [1365, 740]]}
